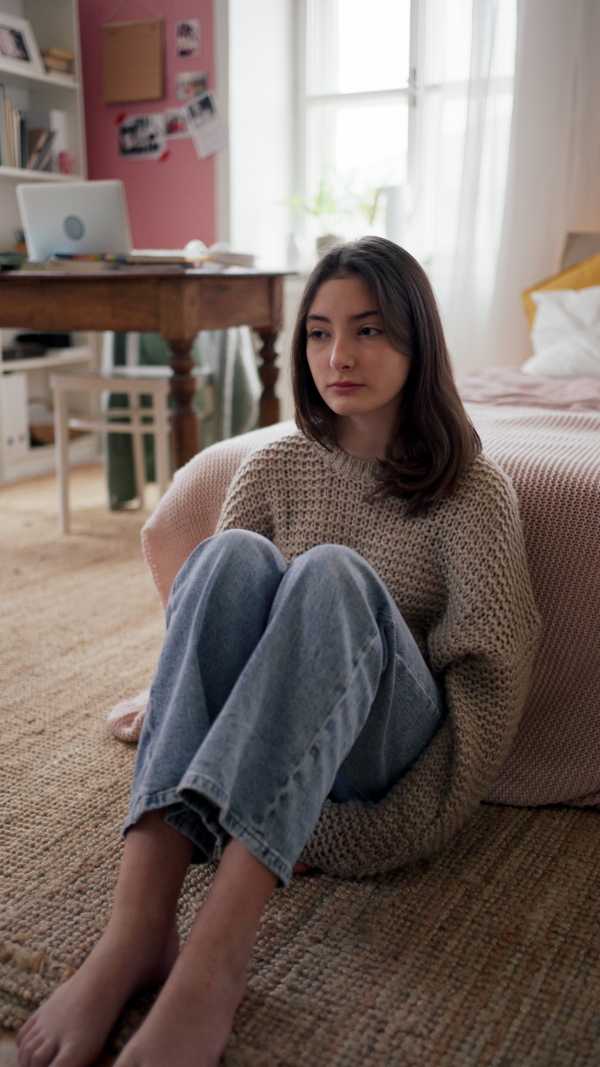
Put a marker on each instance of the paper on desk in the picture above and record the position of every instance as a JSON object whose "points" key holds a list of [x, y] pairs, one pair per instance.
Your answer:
{"points": [[195, 252]]}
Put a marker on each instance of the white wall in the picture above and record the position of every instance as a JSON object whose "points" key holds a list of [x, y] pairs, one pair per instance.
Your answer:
{"points": [[260, 106]]}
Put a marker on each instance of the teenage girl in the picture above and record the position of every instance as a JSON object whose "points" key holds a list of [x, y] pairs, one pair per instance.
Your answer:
{"points": [[344, 667]]}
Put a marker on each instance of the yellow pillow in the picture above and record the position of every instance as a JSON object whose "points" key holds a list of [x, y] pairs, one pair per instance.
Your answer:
{"points": [[581, 276]]}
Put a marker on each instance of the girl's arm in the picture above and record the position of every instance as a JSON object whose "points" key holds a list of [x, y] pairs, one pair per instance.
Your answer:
{"points": [[485, 641], [483, 644], [249, 501]]}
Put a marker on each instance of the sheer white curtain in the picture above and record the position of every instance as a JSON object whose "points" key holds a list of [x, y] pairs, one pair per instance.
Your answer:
{"points": [[529, 169], [466, 121], [554, 168]]}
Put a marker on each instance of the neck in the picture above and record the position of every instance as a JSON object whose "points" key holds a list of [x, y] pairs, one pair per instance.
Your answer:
{"points": [[363, 437]]}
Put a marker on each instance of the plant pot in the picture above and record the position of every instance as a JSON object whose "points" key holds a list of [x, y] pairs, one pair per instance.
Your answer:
{"points": [[326, 242]]}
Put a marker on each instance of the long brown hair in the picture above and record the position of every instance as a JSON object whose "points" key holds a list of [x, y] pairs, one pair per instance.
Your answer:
{"points": [[432, 441]]}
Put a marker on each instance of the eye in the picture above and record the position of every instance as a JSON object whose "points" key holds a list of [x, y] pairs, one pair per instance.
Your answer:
{"points": [[316, 334], [369, 331]]}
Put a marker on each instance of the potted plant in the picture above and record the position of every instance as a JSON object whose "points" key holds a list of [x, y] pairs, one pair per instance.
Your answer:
{"points": [[326, 208]]}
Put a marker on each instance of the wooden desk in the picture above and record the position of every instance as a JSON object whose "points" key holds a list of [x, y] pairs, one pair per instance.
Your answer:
{"points": [[174, 304]]}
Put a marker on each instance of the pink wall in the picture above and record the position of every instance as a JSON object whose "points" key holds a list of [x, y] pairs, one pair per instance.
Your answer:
{"points": [[173, 200]]}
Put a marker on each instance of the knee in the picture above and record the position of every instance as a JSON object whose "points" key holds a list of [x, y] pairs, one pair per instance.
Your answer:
{"points": [[334, 582], [240, 543], [334, 564], [233, 551]]}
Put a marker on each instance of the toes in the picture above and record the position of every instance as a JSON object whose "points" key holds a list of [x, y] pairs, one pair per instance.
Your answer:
{"points": [[26, 1029], [44, 1053], [27, 1044], [36, 1050], [66, 1057]]}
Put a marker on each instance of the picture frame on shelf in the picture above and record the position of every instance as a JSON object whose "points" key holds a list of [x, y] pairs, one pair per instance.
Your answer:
{"points": [[18, 47]]}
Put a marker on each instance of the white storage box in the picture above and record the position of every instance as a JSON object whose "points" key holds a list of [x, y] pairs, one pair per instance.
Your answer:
{"points": [[15, 422]]}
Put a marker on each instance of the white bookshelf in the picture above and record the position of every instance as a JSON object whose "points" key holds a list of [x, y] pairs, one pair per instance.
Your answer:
{"points": [[54, 24]]}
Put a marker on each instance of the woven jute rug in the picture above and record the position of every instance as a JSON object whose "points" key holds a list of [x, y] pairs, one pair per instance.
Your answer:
{"points": [[488, 955]]}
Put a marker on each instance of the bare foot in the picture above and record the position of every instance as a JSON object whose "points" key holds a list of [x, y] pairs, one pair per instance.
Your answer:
{"points": [[70, 1029], [190, 1022]]}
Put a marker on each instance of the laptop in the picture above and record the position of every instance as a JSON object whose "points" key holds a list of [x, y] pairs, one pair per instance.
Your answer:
{"points": [[74, 218]]}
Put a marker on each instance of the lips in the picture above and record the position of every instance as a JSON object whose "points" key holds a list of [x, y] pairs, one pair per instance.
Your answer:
{"points": [[345, 387]]}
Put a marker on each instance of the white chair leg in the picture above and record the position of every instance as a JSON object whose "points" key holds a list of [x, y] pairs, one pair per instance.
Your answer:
{"points": [[61, 441]]}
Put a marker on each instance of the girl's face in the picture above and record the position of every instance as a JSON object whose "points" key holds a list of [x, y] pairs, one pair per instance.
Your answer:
{"points": [[355, 368]]}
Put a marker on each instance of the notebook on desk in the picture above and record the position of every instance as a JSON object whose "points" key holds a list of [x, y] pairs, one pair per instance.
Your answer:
{"points": [[74, 218]]}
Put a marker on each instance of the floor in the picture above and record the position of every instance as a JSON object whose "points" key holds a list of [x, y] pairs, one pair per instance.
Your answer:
{"points": [[8, 1052], [88, 488]]}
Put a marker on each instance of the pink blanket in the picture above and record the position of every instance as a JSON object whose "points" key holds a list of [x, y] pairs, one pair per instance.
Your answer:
{"points": [[553, 458], [502, 385]]}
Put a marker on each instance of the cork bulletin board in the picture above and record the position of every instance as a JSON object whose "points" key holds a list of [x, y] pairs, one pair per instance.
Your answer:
{"points": [[133, 61]]}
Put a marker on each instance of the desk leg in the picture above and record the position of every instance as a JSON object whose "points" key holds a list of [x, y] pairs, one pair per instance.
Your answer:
{"points": [[184, 422], [269, 401], [160, 443]]}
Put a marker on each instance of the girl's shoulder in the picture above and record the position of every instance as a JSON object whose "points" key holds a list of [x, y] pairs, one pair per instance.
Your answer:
{"points": [[484, 483], [483, 509], [281, 454]]}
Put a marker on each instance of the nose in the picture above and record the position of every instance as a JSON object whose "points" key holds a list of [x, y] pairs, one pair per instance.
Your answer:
{"points": [[341, 354]]}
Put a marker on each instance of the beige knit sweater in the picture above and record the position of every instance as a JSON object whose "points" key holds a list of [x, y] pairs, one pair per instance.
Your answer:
{"points": [[459, 577]]}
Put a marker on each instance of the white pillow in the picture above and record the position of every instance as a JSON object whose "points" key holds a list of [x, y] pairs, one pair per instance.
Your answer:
{"points": [[566, 334]]}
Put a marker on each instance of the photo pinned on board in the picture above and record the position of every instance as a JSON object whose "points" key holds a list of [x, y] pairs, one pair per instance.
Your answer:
{"points": [[176, 123], [142, 137], [189, 84], [187, 38], [208, 132]]}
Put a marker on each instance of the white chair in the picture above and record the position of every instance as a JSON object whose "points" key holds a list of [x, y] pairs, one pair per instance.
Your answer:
{"points": [[134, 420]]}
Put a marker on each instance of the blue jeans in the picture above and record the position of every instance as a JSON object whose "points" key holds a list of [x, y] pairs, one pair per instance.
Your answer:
{"points": [[278, 686]]}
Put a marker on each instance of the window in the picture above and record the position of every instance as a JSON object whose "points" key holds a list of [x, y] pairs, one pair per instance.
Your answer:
{"points": [[355, 107], [385, 100]]}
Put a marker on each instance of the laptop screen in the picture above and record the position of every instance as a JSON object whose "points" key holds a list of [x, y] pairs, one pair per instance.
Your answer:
{"points": [[74, 218]]}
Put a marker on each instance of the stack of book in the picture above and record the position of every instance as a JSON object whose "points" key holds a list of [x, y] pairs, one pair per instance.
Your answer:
{"points": [[31, 140], [39, 147], [13, 134], [187, 257], [57, 60]]}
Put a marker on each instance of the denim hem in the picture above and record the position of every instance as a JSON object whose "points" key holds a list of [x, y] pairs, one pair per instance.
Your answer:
{"points": [[149, 802], [207, 845], [177, 814], [228, 822], [241, 830]]}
